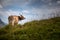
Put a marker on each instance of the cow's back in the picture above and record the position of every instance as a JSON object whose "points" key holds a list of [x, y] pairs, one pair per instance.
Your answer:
{"points": [[10, 18], [13, 17]]}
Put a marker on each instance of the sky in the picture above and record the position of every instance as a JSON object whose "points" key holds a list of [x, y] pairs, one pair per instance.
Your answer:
{"points": [[30, 9]]}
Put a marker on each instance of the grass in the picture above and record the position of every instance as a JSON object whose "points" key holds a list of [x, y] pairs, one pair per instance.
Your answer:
{"points": [[48, 29]]}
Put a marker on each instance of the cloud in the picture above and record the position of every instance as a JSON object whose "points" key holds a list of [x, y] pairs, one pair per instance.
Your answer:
{"points": [[31, 9], [58, 2], [1, 6], [11, 12], [13, 2], [32, 14], [30, 3], [43, 3], [45, 12], [25, 11]]}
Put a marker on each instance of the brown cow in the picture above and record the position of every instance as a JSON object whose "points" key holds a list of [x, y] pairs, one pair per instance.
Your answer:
{"points": [[13, 19]]}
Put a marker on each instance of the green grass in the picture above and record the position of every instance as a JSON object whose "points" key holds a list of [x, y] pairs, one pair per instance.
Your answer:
{"points": [[35, 30]]}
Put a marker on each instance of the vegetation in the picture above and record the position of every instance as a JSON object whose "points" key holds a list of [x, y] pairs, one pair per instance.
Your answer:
{"points": [[35, 30]]}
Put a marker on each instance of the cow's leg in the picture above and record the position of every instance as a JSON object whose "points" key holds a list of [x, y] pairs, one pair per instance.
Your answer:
{"points": [[13, 23], [10, 22], [16, 22]]}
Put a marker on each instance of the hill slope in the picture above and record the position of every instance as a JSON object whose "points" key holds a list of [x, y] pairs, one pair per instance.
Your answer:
{"points": [[35, 30]]}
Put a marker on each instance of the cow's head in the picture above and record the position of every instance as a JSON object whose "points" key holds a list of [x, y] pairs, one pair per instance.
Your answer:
{"points": [[21, 17]]}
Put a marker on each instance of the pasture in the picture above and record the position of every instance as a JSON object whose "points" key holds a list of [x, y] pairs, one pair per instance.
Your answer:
{"points": [[48, 29]]}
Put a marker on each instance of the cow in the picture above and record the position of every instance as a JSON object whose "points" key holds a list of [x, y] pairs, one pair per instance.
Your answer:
{"points": [[13, 19]]}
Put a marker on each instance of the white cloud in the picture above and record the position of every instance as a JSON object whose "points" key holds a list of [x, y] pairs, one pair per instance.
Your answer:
{"points": [[34, 13], [45, 13], [14, 2], [1, 6], [11, 12], [58, 2], [25, 11]]}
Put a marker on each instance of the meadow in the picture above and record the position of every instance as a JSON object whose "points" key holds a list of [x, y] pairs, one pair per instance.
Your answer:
{"points": [[48, 29]]}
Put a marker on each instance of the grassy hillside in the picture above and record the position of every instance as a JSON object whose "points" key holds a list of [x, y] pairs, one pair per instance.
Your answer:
{"points": [[35, 30]]}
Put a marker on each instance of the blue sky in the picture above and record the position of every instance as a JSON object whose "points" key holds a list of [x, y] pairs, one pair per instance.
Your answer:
{"points": [[31, 9]]}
